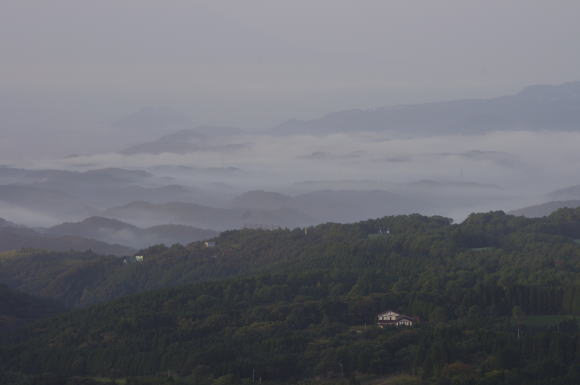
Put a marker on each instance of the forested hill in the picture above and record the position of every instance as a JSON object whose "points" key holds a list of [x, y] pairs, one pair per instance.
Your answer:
{"points": [[497, 296], [17, 310], [79, 279]]}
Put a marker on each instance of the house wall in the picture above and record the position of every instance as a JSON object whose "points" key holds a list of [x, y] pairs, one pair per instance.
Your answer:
{"points": [[392, 318]]}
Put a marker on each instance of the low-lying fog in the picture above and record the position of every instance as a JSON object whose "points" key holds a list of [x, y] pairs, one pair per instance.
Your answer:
{"points": [[445, 158], [446, 175], [121, 117], [522, 162]]}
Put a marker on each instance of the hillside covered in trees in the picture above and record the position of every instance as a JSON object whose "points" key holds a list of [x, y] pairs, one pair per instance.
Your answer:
{"points": [[497, 297], [18, 310]]}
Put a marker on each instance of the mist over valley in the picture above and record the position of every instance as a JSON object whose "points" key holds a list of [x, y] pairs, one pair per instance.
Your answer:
{"points": [[322, 192], [424, 160]]}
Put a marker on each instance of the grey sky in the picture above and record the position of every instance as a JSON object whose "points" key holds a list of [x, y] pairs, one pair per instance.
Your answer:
{"points": [[69, 69], [257, 62]]}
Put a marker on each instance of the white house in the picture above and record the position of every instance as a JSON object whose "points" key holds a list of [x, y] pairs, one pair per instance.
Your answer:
{"points": [[138, 258], [389, 316], [209, 244], [392, 318]]}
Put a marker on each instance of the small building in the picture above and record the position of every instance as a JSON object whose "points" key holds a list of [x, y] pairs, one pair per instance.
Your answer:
{"points": [[209, 244], [383, 230], [138, 258], [381, 233], [393, 319]]}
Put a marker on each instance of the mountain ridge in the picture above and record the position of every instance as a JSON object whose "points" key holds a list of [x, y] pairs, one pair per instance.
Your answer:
{"points": [[115, 231], [545, 209], [218, 219], [539, 107], [20, 237]]}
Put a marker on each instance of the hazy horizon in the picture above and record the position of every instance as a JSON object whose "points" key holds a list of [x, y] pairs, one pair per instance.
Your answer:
{"points": [[71, 69], [114, 83], [318, 192]]}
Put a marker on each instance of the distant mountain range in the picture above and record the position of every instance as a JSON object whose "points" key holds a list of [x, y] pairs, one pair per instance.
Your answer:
{"points": [[99, 234], [186, 141], [564, 197], [114, 231], [18, 237], [70, 195], [267, 209], [566, 193], [535, 108], [5, 224], [544, 209], [264, 209], [540, 107], [146, 213], [347, 205], [43, 198], [165, 130], [264, 200]]}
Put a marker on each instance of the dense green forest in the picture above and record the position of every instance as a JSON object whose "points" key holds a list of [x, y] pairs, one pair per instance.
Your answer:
{"points": [[18, 309], [497, 296]]}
